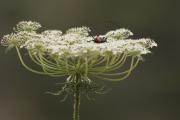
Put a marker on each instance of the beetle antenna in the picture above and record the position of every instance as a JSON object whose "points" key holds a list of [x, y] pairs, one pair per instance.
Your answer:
{"points": [[90, 34]]}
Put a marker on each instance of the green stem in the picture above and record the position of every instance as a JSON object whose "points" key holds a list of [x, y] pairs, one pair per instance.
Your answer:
{"points": [[77, 98]]}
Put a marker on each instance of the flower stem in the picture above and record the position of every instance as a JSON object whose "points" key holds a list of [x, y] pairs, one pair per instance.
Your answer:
{"points": [[77, 97]]}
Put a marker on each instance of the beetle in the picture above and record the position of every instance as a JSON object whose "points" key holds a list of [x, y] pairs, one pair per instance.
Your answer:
{"points": [[100, 39]]}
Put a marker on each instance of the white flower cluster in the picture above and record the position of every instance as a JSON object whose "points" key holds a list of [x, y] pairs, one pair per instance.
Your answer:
{"points": [[75, 41], [119, 34], [27, 26]]}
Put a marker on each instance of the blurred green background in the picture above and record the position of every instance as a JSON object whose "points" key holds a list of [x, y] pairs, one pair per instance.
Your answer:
{"points": [[152, 92]]}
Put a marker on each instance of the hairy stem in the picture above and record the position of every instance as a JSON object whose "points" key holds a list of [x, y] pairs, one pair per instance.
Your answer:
{"points": [[77, 97]]}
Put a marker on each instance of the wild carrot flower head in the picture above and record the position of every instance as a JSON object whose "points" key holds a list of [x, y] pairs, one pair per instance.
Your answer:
{"points": [[74, 51], [75, 41]]}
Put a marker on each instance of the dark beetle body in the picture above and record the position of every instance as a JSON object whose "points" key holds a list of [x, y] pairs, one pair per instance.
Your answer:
{"points": [[100, 39]]}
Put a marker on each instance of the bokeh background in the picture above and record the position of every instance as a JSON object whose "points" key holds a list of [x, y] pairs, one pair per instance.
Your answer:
{"points": [[152, 92]]}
